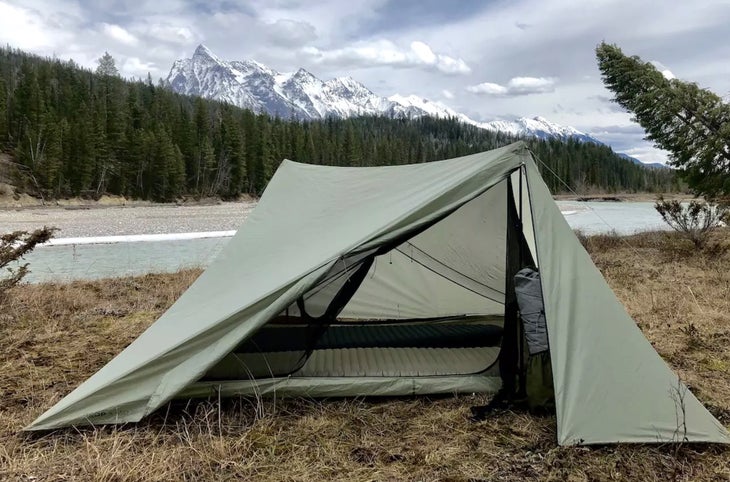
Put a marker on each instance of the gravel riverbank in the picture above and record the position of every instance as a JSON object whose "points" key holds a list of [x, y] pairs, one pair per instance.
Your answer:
{"points": [[121, 220]]}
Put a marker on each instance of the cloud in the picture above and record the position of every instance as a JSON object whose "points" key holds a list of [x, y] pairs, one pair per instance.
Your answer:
{"points": [[628, 138], [134, 65], [606, 104], [119, 34], [170, 33], [290, 33], [487, 88], [29, 29], [386, 53], [623, 129], [647, 154], [447, 93], [515, 87], [663, 69], [394, 16]]}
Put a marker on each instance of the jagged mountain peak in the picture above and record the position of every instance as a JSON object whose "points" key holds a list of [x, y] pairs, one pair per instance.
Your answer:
{"points": [[302, 72], [300, 94], [346, 81], [421, 102], [251, 65], [349, 85], [303, 75], [203, 52]]}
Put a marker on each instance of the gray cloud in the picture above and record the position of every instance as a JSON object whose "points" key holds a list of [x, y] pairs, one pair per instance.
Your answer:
{"points": [[291, 33], [621, 138], [624, 129], [629, 139], [397, 15], [607, 104], [386, 53], [118, 34], [516, 86]]}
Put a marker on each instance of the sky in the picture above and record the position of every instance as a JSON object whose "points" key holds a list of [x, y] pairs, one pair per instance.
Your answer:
{"points": [[490, 59]]}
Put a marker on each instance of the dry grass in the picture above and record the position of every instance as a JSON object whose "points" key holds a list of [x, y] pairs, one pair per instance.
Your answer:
{"points": [[54, 336]]}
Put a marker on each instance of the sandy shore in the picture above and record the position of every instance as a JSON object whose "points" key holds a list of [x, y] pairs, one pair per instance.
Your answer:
{"points": [[98, 220], [122, 220]]}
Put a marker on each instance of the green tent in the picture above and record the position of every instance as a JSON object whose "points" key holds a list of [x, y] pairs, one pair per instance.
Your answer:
{"points": [[397, 281]]}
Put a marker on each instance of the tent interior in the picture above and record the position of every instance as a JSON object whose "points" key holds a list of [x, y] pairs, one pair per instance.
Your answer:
{"points": [[431, 304]]}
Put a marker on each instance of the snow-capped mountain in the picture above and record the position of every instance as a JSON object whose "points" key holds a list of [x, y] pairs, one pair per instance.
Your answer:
{"points": [[301, 95], [538, 127], [413, 106], [255, 86]]}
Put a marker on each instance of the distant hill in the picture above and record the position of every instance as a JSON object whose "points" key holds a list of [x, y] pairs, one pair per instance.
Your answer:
{"points": [[655, 165]]}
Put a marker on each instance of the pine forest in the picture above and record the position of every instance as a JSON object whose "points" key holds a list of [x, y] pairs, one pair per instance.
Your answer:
{"points": [[74, 132]]}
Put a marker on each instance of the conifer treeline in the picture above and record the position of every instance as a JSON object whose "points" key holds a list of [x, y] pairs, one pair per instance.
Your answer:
{"points": [[79, 133]]}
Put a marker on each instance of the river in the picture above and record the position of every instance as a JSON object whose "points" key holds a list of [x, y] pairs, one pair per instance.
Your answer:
{"points": [[102, 257]]}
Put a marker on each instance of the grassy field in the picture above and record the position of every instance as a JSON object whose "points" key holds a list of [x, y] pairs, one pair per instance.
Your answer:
{"points": [[54, 336]]}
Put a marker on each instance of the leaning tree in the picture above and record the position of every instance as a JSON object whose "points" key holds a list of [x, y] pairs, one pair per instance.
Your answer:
{"points": [[690, 122]]}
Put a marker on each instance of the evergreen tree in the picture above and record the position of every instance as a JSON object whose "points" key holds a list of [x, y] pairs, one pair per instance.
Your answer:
{"points": [[201, 163], [267, 162], [81, 139], [107, 65], [232, 153], [3, 114], [351, 148], [692, 123], [207, 169], [50, 170]]}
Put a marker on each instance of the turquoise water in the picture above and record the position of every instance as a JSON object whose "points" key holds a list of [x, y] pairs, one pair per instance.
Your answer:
{"points": [[93, 261], [603, 217]]}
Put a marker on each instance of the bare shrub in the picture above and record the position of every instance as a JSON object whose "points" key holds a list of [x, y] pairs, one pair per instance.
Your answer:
{"points": [[695, 340], [15, 245], [695, 220]]}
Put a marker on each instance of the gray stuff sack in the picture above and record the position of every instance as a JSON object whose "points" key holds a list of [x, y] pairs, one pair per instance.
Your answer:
{"points": [[532, 309]]}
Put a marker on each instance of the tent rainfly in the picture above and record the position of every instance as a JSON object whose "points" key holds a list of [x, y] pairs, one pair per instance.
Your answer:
{"points": [[398, 280]]}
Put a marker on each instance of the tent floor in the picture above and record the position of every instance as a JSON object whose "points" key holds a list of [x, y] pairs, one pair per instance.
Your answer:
{"points": [[323, 387], [398, 362], [357, 362]]}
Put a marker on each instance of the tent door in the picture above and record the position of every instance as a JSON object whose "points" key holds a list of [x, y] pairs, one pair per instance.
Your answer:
{"points": [[513, 354]]}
